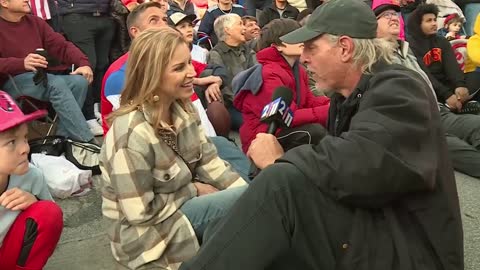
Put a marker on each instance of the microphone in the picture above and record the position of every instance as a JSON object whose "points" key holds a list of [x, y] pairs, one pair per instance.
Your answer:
{"points": [[277, 114]]}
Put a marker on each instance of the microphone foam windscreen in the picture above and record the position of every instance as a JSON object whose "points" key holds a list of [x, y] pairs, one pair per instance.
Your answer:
{"points": [[285, 93]]}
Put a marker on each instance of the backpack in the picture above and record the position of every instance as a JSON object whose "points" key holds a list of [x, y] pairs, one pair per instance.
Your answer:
{"points": [[82, 154]]}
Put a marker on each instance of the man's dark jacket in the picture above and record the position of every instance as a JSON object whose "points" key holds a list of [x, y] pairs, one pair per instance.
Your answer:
{"points": [[270, 13], [386, 159]]}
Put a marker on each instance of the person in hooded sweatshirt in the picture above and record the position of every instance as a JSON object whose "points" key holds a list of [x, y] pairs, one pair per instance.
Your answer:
{"points": [[278, 66], [436, 56]]}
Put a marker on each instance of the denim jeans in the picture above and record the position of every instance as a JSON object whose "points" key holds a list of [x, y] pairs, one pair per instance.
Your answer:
{"points": [[471, 12], [229, 152], [236, 118], [66, 93], [200, 211]]}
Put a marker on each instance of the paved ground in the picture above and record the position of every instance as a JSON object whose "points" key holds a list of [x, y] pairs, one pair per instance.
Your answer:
{"points": [[84, 246]]}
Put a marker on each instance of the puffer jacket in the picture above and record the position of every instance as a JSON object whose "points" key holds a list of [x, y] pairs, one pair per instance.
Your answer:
{"points": [[254, 89]]}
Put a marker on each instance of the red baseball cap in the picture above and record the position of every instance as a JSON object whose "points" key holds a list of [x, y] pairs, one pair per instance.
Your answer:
{"points": [[11, 114]]}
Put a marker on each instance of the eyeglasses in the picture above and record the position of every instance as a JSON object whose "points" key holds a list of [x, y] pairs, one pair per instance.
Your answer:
{"points": [[389, 15]]}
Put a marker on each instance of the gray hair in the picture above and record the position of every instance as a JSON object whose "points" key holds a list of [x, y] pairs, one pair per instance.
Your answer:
{"points": [[367, 52], [225, 21]]}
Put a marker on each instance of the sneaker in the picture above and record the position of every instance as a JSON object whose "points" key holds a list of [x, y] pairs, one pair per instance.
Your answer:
{"points": [[471, 107], [95, 128], [96, 111]]}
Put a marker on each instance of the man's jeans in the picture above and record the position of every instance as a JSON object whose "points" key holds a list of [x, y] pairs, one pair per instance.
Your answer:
{"points": [[66, 93], [471, 12], [200, 211]]}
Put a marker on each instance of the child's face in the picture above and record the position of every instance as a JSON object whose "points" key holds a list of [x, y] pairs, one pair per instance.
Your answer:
{"points": [[455, 27], [14, 150], [186, 28]]}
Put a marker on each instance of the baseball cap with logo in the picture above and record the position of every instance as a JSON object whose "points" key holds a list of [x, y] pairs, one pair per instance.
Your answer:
{"points": [[351, 18], [11, 114], [178, 17]]}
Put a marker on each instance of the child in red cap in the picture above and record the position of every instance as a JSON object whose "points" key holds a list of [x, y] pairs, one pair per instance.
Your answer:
{"points": [[30, 222], [452, 27]]}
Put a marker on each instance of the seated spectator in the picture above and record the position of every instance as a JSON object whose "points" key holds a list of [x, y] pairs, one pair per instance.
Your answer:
{"points": [[279, 9], [207, 86], [223, 7], [232, 53], [163, 181], [20, 36], [436, 56], [378, 193], [146, 16], [472, 66], [452, 27], [183, 6], [252, 31], [30, 222], [184, 23], [462, 130], [278, 66]]}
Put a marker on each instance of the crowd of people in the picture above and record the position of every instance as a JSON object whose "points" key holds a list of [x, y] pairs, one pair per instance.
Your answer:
{"points": [[382, 115]]}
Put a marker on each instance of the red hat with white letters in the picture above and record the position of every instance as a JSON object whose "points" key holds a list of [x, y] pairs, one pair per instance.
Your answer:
{"points": [[11, 115]]}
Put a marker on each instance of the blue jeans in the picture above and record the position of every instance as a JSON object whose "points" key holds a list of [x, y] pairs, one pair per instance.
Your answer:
{"points": [[229, 152], [66, 93], [236, 118], [200, 211], [471, 12]]}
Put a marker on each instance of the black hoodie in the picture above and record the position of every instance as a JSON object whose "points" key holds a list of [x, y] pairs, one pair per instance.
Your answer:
{"points": [[436, 57]]}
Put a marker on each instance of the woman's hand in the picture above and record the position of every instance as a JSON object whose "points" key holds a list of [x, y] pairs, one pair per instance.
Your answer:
{"points": [[204, 189]]}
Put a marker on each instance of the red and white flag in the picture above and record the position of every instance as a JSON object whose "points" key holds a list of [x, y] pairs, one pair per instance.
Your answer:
{"points": [[41, 9]]}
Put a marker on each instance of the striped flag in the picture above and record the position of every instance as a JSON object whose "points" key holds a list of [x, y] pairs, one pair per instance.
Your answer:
{"points": [[41, 9]]}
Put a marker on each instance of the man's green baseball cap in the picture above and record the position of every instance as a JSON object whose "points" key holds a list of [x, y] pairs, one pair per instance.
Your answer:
{"points": [[351, 18]]}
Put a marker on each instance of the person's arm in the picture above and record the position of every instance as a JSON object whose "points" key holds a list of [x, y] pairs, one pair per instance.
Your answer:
{"points": [[390, 149], [132, 177], [11, 65], [113, 88], [211, 169], [206, 25], [450, 65], [63, 50]]}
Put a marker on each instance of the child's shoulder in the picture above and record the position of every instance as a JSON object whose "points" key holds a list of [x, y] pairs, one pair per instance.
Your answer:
{"points": [[27, 182]]}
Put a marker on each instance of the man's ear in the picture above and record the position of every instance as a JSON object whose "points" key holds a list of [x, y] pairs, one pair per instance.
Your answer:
{"points": [[133, 31], [347, 47], [3, 3]]}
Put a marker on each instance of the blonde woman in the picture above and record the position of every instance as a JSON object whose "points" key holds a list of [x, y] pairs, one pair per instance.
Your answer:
{"points": [[162, 176]]}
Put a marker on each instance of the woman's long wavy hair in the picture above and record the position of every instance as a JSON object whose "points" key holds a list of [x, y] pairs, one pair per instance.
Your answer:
{"points": [[150, 54]]}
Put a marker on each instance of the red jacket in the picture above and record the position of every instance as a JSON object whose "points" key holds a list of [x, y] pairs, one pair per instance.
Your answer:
{"points": [[277, 72]]}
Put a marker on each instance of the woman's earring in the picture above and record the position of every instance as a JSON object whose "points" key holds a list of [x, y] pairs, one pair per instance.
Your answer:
{"points": [[156, 98]]}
